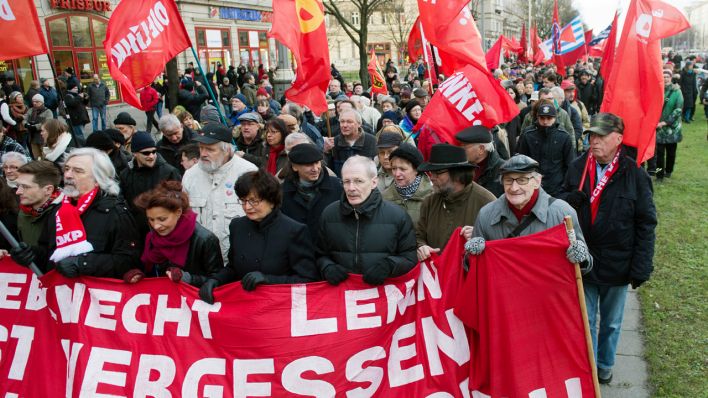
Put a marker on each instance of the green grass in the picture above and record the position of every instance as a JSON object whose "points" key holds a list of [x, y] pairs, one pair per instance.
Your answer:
{"points": [[674, 302]]}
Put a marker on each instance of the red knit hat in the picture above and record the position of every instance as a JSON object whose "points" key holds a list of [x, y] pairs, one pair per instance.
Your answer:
{"points": [[262, 91]]}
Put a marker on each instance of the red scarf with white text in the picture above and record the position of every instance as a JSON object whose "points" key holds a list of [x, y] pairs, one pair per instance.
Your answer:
{"points": [[71, 235], [596, 190]]}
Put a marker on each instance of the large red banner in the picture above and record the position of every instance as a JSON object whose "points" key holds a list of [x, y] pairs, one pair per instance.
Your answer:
{"points": [[20, 31], [91, 337]]}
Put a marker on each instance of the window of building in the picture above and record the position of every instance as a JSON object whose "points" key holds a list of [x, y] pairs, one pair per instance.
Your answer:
{"points": [[76, 41], [355, 19], [253, 48], [213, 47]]}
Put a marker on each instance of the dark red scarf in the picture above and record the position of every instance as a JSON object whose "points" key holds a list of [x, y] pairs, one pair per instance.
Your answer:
{"points": [[596, 190], [32, 212], [172, 247], [526, 209], [273, 158]]}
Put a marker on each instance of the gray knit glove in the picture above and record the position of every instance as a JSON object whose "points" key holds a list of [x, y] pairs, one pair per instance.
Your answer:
{"points": [[475, 245], [577, 252]]}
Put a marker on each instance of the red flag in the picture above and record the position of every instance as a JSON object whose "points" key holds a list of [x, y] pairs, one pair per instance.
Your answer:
{"points": [[494, 56], [378, 84], [141, 37], [535, 42], [556, 40], [469, 97], [415, 42], [20, 31], [518, 347], [300, 27], [636, 71], [524, 45], [608, 54], [450, 27]]}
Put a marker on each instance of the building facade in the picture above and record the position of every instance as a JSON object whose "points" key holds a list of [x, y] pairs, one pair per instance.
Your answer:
{"points": [[225, 32]]}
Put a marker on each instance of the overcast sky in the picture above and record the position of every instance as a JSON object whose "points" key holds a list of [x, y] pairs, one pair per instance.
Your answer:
{"points": [[597, 14]]}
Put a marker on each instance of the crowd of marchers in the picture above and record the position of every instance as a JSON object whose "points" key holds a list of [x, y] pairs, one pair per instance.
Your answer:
{"points": [[274, 194]]}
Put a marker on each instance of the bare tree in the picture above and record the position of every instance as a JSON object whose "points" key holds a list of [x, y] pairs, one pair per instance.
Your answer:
{"points": [[399, 20], [542, 14], [358, 31]]}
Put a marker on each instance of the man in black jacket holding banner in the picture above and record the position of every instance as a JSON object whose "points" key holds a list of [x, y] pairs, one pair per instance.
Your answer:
{"points": [[617, 215]]}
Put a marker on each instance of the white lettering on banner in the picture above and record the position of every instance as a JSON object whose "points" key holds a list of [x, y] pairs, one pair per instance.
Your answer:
{"points": [[354, 309], [245, 367], [96, 309], [397, 376], [5, 11], [95, 374], [293, 382], [572, 390], [455, 347], [149, 364], [10, 295], [24, 336], [71, 351], [356, 372], [140, 36], [460, 92], [206, 366], [396, 300]]}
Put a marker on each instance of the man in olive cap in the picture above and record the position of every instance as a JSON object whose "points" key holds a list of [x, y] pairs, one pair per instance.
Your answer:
{"points": [[456, 200], [479, 148]]}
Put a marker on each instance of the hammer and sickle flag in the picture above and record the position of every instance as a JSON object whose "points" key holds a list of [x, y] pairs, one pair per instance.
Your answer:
{"points": [[378, 84], [299, 25]]}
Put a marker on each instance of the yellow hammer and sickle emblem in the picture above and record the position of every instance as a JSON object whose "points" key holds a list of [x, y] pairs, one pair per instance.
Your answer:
{"points": [[311, 7]]}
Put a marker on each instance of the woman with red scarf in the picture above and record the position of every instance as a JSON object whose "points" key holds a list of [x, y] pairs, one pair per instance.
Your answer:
{"points": [[275, 133], [176, 246]]}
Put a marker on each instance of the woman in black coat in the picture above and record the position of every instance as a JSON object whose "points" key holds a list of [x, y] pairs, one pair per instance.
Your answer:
{"points": [[177, 246], [267, 247]]}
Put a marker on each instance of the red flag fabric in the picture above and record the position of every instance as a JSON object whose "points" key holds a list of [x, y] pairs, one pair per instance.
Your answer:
{"points": [[469, 97], [450, 27], [524, 45], [556, 40], [512, 325], [300, 27], [494, 57], [608, 53], [378, 84], [636, 71], [141, 37], [20, 30], [415, 42]]}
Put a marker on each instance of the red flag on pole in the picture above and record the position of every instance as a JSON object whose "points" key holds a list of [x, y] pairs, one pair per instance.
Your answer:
{"points": [[20, 31], [636, 72], [524, 45], [494, 56], [608, 54], [300, 27], [378, 84], [415, 42], [141, 37], [556, 40], [469, 97]]}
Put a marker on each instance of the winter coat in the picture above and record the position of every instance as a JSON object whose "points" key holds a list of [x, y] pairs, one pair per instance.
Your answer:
{"points": [[553, 150], [278, 246], [255, 152], [136, 179], [575, 119], [489, 178], [689, 87], [249, 91], [440, 216], [308, 211], [110, 229], [226, 92], [587, 94], [34, 119], [192, 101], [121, 160], [75, 110], [562, 119], [671, 115], [51, 100], [411, 206], [149, 97], [212, 196], [170, 151], [203, 258], [361, 238], [365, 145], [621, 241], [98, 95]]}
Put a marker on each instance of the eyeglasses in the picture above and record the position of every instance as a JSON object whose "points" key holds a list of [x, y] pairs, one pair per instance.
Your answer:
{"points": [[252, 202], [148, 153], [439, 172], [519, 180]]}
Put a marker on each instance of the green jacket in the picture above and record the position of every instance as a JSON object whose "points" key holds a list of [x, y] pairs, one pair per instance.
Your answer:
{"points": [[440, 216], [30, 228], [671, 115], [412, 205]]}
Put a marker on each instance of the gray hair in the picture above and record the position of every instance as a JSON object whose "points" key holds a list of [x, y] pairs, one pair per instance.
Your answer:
{"points": [[168, 122], [489, 147], [558, 94], [296, 139], [293, 110], [358, 160], [14, 156], [356, 114], [103, 171]]}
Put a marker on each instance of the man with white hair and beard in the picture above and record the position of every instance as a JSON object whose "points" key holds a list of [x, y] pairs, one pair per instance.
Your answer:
{"points": [[210, 185], [93, 233]]}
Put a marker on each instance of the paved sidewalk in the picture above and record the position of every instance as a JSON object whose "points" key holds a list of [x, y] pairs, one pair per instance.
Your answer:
{"points": [[630, 379]]}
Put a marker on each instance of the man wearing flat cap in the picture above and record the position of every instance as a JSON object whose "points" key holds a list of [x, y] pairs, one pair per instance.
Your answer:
{"points": [[126, 125], [308, 189], [456, 200], [479, 148], [525, 209], [614, 201], [210, 184], [550, 146], [251, 145]]}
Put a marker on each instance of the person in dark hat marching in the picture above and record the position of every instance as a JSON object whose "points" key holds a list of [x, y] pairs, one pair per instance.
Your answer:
{"points": [[456, 201], [126, 125], [479, 148]]}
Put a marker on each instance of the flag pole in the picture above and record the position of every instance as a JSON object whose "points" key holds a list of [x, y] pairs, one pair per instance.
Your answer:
{"points": [[13, 242], [208, 86], [583, 309]]}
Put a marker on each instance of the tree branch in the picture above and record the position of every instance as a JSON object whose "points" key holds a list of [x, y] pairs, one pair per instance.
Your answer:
{"points": [[351, 31]]}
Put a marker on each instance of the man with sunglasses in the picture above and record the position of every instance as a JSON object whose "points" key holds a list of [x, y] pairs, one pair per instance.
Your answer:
{"points": [[147, 170]]}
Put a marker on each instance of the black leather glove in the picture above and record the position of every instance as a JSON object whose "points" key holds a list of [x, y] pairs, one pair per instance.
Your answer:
{"points": [[71, 266], [206, 292], [22, 254], [253, 279], [636, 283], [576, 199], [377, 275], [335, 274]]}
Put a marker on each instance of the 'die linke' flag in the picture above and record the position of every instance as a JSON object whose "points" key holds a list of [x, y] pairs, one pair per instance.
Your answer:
{"points": [[300, 26], [20, 31], [142, 35], [470, 97]]}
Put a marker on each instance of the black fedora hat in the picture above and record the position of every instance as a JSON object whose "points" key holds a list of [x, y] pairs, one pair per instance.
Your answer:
{"points": [[446, 156]]}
